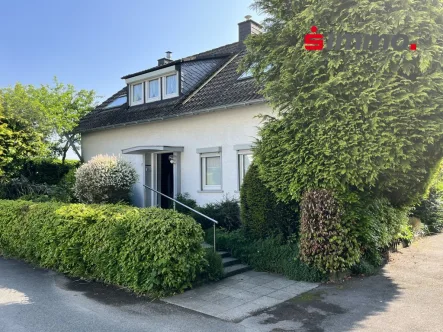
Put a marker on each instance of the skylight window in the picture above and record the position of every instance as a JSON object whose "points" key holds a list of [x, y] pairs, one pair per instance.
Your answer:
{"points": [[245, 75], [117, 102], [248, 73]]}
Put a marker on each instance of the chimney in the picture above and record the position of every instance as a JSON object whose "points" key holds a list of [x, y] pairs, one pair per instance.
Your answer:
{"points": [[165, 60], [248, 27]]}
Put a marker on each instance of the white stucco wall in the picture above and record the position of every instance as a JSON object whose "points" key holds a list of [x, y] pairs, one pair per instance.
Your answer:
{"points": [[224, 128]]}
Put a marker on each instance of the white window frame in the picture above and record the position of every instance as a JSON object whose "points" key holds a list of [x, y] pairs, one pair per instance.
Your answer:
{"points": [[150, 100], [240, 166], [133, 103], [172, 95], [204, 186]]}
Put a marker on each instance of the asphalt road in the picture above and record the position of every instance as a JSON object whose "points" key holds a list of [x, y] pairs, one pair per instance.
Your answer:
{"points": [[405, 296], [43, 301]]}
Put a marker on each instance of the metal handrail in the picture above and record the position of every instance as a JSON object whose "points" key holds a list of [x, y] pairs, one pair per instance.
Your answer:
{"points": [[189, 208]]}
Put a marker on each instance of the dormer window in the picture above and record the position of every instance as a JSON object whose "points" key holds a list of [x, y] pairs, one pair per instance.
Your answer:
{"points": [[153, 90], [137, 94], [170, 88], [154, 86]]}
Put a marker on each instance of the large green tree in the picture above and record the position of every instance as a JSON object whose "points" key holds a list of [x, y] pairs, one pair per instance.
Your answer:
{"points": [[18, 142], [350, 120], [52, 111]]}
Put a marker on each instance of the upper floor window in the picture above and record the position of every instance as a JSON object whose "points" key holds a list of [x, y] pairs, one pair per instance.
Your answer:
{"points": [[154, 86], [137, 94], [170, 86], [153, 90]]}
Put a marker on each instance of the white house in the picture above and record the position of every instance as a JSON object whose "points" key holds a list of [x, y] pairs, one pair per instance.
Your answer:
{"points": [[186, 125]]}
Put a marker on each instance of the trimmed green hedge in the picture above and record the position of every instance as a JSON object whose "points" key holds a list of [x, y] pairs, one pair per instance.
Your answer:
{"points": [[213, 270], [41, 180], [430, 209], [225, 211], [147, 250], [261, 214], [379, 226], [49, 171], [271, 255]]}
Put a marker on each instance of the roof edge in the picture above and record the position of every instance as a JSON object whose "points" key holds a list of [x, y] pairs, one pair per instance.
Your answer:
{"points": [[175, 62], [206, 110]]}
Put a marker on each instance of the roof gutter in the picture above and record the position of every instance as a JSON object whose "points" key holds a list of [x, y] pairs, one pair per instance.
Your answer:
{"points": [[206, 110]]}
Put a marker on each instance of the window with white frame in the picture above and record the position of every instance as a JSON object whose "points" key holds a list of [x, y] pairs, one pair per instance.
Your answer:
{"points": [[153, 90], [244, 161], [137, 94], [211, 171], [170, 86], [154, 86]]}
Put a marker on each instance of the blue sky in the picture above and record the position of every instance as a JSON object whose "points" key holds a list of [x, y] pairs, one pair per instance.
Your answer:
{"points": [[93, 43]]}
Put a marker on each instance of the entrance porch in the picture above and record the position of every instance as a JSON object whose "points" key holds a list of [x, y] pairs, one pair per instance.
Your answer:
{"points": [[162, 172]]}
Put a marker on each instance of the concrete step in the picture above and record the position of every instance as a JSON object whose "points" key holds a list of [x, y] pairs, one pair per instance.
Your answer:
{"points": [[229, 261], [224, 254], [235, 269]]}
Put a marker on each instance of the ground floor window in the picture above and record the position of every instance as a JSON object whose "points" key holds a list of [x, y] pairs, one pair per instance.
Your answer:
{"points": [[211, 171], [244, 161]]}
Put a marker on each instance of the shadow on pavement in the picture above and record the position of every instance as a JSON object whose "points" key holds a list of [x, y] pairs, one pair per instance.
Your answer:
{"points": [[100, 292], [334, 307]]}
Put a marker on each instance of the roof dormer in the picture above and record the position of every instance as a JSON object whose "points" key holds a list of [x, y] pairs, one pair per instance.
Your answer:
{"points": [[157, 84]]}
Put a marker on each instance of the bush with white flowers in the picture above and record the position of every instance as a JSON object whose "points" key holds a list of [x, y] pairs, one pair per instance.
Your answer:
{"points": [[104, 179]]}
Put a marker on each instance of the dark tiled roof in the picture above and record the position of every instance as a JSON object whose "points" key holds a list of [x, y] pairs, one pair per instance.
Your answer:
{"points": [[198, 92], [196, 72], [224, 89]]}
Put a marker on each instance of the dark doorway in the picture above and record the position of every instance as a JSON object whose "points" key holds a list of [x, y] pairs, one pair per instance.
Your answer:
{"points": [[165, 180]]}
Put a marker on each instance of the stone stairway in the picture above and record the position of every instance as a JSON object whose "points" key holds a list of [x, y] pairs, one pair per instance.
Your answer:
{"points": [[231, 265]]}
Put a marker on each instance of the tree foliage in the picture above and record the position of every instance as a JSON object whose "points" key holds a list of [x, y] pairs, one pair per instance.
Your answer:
{"points": [[262, 216], [50, 111], [365, 120], [430, 209], [18, 142], [272, 254]]}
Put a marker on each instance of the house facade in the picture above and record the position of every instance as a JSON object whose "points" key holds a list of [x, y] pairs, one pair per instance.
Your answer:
{"points": [[186, 125]]}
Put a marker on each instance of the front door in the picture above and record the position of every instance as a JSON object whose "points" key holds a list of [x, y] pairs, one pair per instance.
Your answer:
{"points": [[165, 179]]}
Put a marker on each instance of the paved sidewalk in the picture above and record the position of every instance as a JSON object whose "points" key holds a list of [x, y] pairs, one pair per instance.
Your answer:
{"points": [[239, 296], [405, 296]]}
